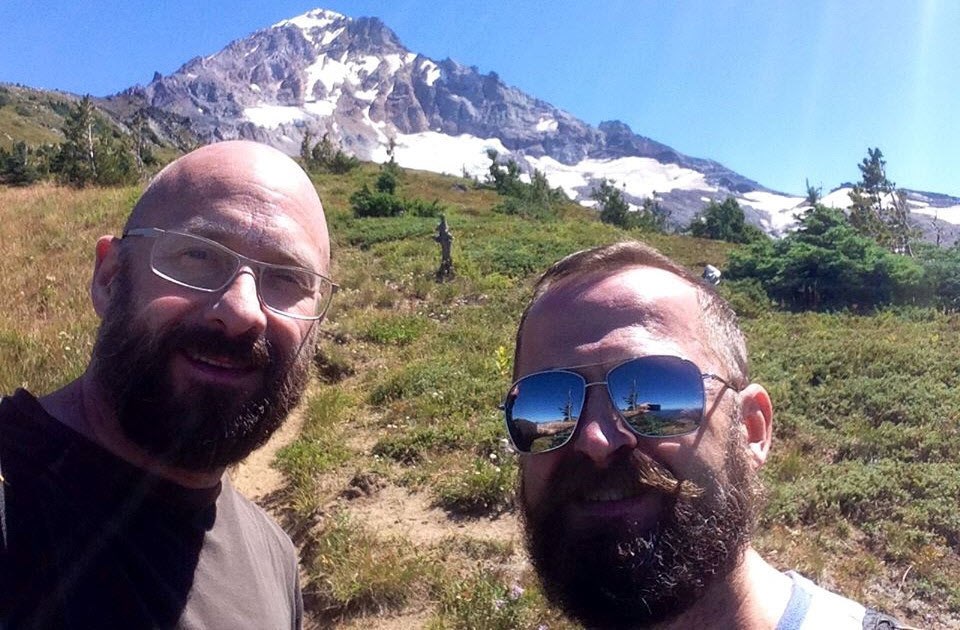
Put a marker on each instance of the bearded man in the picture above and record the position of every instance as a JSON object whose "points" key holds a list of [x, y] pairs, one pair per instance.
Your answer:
{"points": [[117, 512], [640, 435]]}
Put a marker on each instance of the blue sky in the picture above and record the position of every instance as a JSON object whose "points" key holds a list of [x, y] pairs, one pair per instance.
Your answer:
{"points": [[778, 91]]}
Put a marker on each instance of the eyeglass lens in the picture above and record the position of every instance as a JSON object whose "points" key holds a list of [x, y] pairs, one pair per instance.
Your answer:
{"points": [[657, 396], [205, 265]]}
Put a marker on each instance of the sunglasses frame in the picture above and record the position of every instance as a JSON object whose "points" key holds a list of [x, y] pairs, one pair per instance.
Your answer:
{"points": [[605, 382]]}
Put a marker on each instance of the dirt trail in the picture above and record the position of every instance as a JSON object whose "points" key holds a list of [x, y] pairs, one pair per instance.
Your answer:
{"points": [[389, 510], [255, 477]]}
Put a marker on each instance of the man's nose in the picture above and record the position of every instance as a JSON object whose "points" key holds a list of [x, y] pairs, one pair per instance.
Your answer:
{"points": [[602, 433], [238, 308]]}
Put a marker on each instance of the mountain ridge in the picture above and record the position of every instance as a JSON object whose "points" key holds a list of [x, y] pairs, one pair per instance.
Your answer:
{"points": [[353, 78], [323, 72]]}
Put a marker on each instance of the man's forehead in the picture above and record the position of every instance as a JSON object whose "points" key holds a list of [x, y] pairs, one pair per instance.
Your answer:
{"points": [[608, 316], [649, 292], [252, 198]]}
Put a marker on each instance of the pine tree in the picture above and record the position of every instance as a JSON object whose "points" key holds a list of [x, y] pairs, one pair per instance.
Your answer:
{"points": [[18, 167], [814, 194], [305, 155], [139, 125], [878, 209], [614, 209], [114, 159], [724, 222], [75, 162], [322, 153]]}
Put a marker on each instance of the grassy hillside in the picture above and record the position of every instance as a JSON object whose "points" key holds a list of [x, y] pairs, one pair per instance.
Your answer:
{"points": [[400, 486], [32, 116]]}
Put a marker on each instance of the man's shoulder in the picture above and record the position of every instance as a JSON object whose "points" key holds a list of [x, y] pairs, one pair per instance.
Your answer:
{"points": [[822, 608], [812, 606], [252, 518], [28, 435]]}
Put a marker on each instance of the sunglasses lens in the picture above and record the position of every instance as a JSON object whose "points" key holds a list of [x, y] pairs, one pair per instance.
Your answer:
{"points": [[542, 410], [658, 396]]}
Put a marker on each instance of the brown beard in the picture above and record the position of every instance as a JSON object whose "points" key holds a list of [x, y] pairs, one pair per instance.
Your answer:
{"points": [[624, 574], [206, 427]]}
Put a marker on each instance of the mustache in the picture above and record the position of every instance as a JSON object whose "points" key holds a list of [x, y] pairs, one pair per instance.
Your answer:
{"points": [[251, 350], [635, 472]]}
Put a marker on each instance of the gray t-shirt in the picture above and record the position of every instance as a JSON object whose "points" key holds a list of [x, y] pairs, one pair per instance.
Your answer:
{"points": [[94, 542]]}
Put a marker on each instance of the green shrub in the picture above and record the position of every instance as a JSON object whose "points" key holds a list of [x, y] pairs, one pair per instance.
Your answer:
{"points": [[352, 571], [395, 330], [725, 222], [367, 203], [486, 487], [413, 446], [481, 601]]}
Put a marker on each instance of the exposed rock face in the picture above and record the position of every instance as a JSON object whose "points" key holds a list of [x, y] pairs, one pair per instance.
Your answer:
{"points": [[322, 72]]}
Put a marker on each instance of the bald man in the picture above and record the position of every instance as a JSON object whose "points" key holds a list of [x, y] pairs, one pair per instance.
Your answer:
{"points": [[117, 512]]}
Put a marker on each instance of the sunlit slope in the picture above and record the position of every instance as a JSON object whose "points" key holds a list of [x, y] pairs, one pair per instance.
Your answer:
{"points": [[863, 479]]}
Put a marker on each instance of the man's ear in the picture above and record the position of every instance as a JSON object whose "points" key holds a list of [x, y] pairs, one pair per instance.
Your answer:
{"points": [[757, 419], [104, 271]]}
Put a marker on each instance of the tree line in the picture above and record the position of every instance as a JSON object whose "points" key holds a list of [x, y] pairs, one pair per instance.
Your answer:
{"points": [[862, 258], [93, 152]]}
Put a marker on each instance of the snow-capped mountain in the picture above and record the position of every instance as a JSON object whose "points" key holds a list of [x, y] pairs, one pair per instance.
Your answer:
{"points": [[323, 72]]}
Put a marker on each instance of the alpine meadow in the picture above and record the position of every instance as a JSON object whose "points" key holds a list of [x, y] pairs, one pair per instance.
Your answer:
{"points": [[398, 487]]}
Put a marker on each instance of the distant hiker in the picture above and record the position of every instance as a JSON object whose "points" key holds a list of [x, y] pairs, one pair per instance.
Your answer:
{"points": [[711, 274], [640, 436], [445, 238], [116, 509]]}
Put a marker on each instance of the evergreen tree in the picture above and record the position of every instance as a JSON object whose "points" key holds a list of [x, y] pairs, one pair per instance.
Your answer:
{"points": [[325, 156], [305, 146], [652, 217], [505, 178], [76, 163], [139, 125], [878, 209], [389, 171], [18, 167], [724, 222], [115, 159], [614, 209], [827, 265], [322, 153], [814, 194]]}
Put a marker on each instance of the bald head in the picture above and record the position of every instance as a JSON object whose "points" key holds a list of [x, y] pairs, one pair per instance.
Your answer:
{"points": [[248, 181], [719, 329]]}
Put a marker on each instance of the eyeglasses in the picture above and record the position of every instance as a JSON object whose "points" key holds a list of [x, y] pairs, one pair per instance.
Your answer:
{"points": [[656, 396], [199, 263]]}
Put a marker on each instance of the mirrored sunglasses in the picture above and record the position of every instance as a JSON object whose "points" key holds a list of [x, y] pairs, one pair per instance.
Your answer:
{"points": [[655, 396], [199, 263]]}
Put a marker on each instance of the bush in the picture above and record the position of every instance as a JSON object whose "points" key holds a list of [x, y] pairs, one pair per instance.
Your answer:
{"points": [[826, 265], [481, 602], [725, 222], [353, 571], [366, 203], [397, 330], [535, 200], [486, 487]]}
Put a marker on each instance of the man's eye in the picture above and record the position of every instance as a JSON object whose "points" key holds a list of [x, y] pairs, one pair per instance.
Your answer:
{"points": [[293, 279], [196, 254]]}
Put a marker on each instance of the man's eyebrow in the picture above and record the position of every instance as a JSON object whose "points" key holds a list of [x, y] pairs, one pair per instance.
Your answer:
{"points": [[280, 255]]}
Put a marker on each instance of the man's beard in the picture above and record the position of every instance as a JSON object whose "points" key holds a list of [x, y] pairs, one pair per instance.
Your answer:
{"points": [[205, 427], [620, 573]]}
